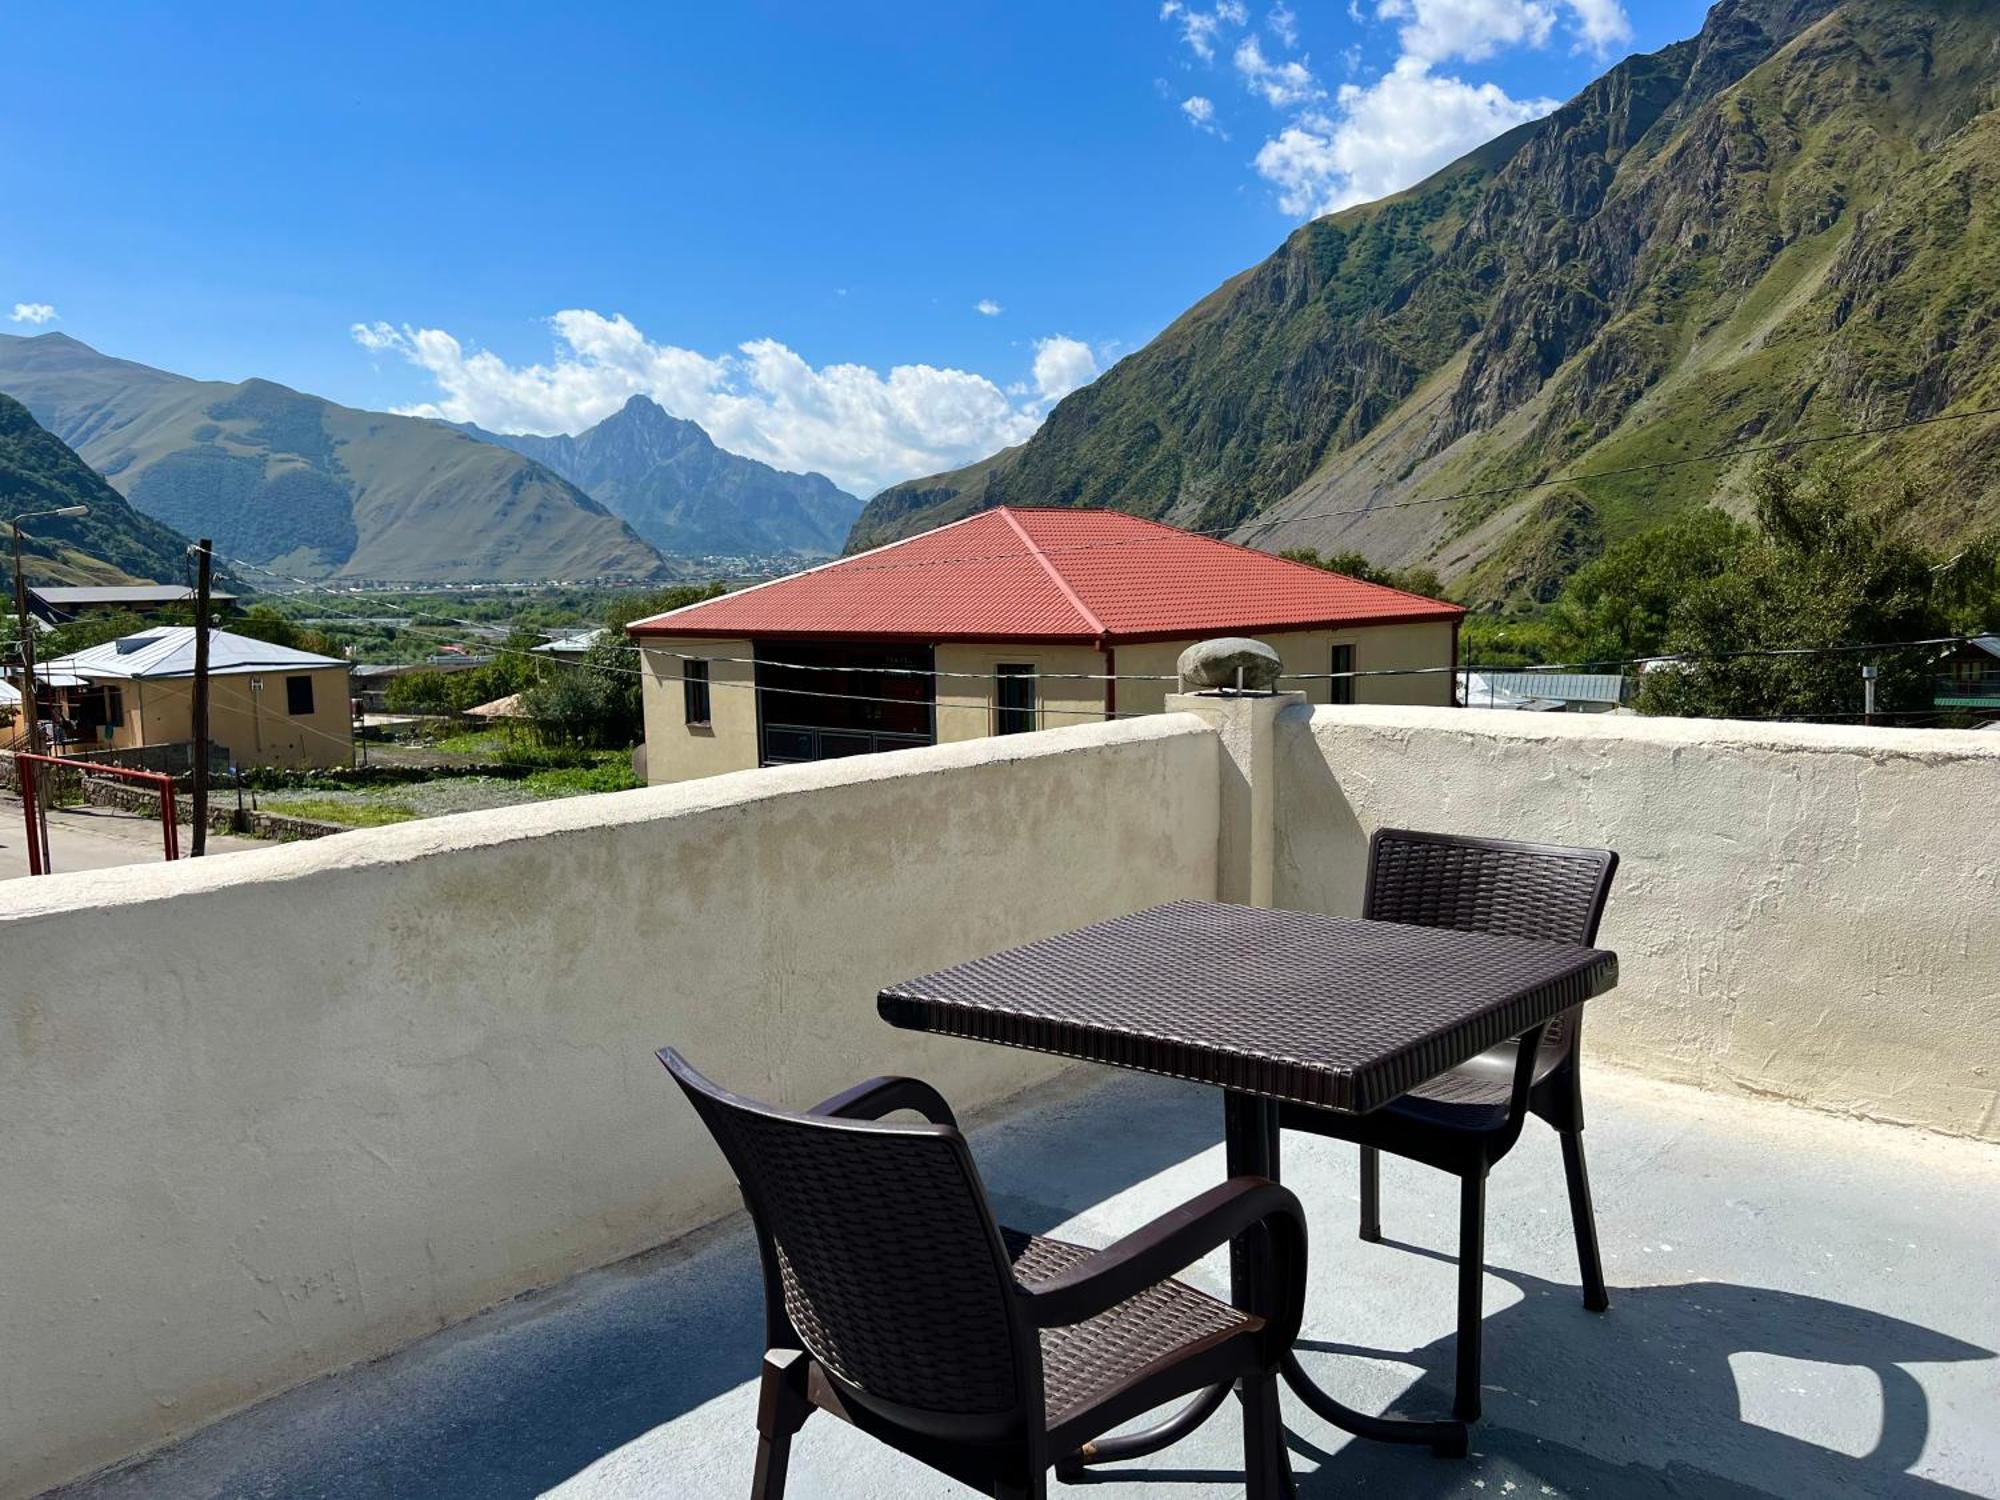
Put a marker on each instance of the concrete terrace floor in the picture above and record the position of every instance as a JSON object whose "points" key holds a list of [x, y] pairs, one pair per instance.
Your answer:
{"points": [[1802, 1307]]}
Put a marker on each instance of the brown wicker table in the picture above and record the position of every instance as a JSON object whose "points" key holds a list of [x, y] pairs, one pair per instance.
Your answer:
{"points": [[1268, 1006]]}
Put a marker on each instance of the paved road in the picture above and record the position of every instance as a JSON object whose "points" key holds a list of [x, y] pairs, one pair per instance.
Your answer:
{"points": [[95, 838]]}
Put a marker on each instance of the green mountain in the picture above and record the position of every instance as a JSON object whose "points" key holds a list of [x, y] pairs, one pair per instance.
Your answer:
{"points": [[665, 477], [113, 544], [303, 486], [1786, 226]]}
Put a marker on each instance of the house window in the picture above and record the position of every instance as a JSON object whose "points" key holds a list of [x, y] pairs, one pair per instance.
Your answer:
{"points": [[694, 691], [298, 696], [1341, 689], [1013, 698], [114, 708]]}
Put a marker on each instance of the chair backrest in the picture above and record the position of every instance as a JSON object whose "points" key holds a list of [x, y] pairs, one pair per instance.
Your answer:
{"points": [[1548, 891], [891, 1269]]}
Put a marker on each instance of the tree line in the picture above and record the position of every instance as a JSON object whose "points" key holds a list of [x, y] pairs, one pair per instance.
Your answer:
{"points": [[1816, 567]]}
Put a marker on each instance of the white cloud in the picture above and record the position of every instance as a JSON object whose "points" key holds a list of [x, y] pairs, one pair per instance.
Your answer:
{"points": [[1198, 27], [1284, 24], [1385, 136], [1434, 30], [1601, 25], [1378, 138], [33, 312], [986, 307], [1283, 85], [864, 428], [1061, 365], [1472, 30], [1201, 114]]}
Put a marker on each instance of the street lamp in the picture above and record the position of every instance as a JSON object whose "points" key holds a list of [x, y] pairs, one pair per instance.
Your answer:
{"points": [[28, 705]]}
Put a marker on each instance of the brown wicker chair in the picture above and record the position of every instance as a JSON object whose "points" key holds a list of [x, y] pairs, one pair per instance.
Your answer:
{"points": [[893, 1300], [1466, 1120]]}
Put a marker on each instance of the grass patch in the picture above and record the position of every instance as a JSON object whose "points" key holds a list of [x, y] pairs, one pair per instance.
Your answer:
{"points": [[347, 814], [613, 775]]}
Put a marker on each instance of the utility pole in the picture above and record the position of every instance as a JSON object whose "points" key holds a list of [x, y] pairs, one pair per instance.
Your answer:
{"points": [[29, 707], [1868, 675], [202, 549]]}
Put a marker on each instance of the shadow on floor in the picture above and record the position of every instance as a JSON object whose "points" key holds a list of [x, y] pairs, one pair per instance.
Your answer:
{"points": [[519, 1400], [1652, 1380]]}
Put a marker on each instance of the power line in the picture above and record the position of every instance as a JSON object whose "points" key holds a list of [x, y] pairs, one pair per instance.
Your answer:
{"points": [[1655, 659]]}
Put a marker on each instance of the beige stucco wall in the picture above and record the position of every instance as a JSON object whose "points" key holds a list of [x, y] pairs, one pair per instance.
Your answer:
{"points": [[1377, 648], [1804, 912], [254, 726], [226, 1172], [965, 702], [678, 751]]}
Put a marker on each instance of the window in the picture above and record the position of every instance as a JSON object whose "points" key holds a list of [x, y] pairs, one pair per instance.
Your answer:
{"points": [[298, 696], [114, 708], [694, 692], [1013, 698], [1341, 689]]}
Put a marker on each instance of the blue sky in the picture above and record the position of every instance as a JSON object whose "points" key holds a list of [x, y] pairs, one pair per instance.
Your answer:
{"points": [[780, 219]]}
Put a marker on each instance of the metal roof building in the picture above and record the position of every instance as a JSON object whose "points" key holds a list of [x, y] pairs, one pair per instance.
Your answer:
{"points": [[1094, 577], [168, 651], [60, 602]]}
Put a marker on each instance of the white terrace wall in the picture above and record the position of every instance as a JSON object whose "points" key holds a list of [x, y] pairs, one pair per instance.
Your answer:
{"points": [[1803, 912], [273, 1113]]}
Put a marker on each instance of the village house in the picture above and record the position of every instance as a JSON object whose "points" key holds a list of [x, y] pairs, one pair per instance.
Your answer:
{"points": [[268, 705], [58, 604], [1008, 621]]}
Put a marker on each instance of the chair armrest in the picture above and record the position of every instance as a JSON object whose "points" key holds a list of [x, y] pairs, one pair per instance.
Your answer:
{"points": [[884, 1096], [1175, 1241]]}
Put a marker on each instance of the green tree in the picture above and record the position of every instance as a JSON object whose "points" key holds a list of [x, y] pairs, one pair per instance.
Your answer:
{"points": [[264, 622], [1622, 605], [1821, 573], [423, 692], [1415, 580]]}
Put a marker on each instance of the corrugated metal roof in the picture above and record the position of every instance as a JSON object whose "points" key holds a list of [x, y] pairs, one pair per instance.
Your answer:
{"points": [[1050, 575], [64, 596], [1570, 687], [168, 651]]}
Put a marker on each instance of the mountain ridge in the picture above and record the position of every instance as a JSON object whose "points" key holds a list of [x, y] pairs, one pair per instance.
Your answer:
{"points": [[113, 544], [302, 485], [670, 481], [1783, 226]]}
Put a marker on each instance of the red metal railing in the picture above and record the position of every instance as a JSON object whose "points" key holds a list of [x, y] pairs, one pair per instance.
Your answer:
{"points": [[38, 853]]}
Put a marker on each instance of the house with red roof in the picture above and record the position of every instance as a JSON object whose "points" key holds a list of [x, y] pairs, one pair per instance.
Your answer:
{"points": [[1007, 621]]}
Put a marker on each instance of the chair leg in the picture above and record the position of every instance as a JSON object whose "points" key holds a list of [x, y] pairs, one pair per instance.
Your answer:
{"points": [[1371, 1194], [1471, 1288], [1266, 1468], [782, 1409], [1583, 1218], [1027, 1487]]}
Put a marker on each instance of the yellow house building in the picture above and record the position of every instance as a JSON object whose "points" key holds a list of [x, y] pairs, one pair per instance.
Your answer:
{"points": [[1010, 620], [268, 705]]}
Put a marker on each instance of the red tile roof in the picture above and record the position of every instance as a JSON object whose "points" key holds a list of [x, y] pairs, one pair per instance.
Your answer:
{"points": [[1093, 576]]}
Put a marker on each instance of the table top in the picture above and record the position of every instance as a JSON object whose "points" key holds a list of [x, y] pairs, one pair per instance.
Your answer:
{"points": [[1333, 1011]]}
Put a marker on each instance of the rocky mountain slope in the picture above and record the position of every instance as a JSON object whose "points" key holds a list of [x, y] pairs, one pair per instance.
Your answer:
{"points": [[303, 486], [113, 544], [1786, 226], [668, 480]]}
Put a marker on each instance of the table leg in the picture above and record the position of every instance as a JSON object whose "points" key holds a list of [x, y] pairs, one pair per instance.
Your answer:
{"points": [[1252, 1127], [1248, 1141], [1250, 1148]]}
